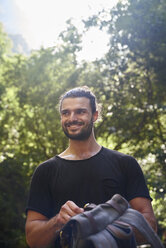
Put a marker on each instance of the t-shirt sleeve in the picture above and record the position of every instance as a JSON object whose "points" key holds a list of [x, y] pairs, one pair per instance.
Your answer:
{"points": [[135, 182], [39, 195]]}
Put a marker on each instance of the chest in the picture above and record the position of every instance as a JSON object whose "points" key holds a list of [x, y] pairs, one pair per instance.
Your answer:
{"points": [[94, 182]]}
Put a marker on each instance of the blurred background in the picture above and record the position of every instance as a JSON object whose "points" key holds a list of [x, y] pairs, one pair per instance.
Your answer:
{"points": [[118, 49]]}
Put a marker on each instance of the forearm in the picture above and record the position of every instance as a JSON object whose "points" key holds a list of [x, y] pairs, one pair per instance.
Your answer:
{"points": [[42, 233], [152, 222], [143, 205]]}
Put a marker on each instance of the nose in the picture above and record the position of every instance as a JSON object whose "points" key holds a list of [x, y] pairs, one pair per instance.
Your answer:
{"points": [[73, 116]]}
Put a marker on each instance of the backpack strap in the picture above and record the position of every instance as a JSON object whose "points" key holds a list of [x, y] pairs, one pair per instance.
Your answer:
{"points": [[137, 220], [120, 230]]}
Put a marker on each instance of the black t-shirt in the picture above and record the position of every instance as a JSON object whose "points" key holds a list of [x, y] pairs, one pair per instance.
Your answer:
{"points": [[93, 180]]}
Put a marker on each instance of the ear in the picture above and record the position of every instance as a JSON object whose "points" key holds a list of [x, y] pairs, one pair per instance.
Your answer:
{"points": [[95, 116]]}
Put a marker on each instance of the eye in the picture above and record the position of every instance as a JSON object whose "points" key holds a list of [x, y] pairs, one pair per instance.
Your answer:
{"points": [[65, 113], [81, 111]]}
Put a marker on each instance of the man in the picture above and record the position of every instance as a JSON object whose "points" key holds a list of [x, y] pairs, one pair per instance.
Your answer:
{"points": [[84, 172]]}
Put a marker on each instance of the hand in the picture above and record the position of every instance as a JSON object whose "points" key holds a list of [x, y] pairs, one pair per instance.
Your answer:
{"points": [[68, 210]]}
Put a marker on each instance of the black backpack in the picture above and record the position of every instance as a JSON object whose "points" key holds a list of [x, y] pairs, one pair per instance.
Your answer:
{"points": [[107, 225]]}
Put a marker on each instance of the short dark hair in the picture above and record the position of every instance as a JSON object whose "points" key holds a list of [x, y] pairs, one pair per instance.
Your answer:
{"points": [[83, 91]]}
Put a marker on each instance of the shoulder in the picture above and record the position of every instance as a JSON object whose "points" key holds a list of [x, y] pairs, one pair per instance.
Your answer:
{"points": [[125, 161], [46, 167], [116, 154]]}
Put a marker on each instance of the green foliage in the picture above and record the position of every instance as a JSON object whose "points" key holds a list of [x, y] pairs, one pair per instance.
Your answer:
{"points": [[14, 181], [5, 43], [129, 81], [30, 129], [132, 87], [132, 81]]}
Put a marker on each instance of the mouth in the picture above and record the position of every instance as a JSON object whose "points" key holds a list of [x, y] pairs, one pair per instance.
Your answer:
{"points": [[74, 125]]}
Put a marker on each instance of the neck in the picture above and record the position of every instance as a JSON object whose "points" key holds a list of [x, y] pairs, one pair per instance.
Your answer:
{"points": [[81, 149], [79, 146]]}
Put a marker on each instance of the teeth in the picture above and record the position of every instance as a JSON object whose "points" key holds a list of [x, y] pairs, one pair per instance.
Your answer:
{"points": [[73, 125], [78, 124]]}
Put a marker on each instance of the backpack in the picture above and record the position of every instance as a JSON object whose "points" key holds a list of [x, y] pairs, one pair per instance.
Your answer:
{"points": [[107, 225]]}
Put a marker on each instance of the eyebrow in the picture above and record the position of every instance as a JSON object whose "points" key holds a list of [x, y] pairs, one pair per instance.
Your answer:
{"points": [[63, 110]]}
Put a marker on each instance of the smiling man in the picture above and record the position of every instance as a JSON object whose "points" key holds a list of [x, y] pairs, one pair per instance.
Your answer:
{"points": [[77, 121], [84, 172]]}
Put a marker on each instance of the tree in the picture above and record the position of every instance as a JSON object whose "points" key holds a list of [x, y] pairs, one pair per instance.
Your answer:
{"points": [[5, 43], [133, 87], [30, 124], [14, 190]]}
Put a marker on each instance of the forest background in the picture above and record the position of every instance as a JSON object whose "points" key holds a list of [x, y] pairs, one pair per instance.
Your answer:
{"points": [[129, 81]]}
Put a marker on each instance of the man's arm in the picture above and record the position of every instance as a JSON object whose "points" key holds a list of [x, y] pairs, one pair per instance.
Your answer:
{"points": [[143, 205], [42, 232]]}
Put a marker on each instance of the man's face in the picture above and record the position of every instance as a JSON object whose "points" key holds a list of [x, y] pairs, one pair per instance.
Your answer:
{"points": [[77, 118]]}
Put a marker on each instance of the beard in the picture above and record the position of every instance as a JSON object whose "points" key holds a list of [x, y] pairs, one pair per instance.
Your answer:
{"points": [[84, 133]]}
